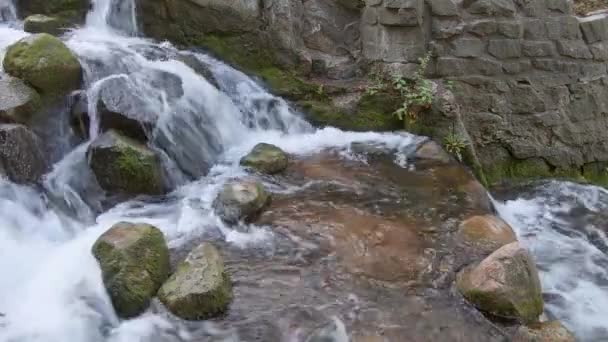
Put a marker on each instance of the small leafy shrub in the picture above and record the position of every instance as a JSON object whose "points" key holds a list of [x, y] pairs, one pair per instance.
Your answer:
{"points": [[455, 145], [417, 93]]}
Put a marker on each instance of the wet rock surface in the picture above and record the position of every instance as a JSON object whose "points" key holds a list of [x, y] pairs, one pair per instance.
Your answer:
{"points": [[22, 158], [134, 261], [39, 23], [551, 331], [266, 158], [241, 200], [199, 288], [18, 101], [124, 166]]}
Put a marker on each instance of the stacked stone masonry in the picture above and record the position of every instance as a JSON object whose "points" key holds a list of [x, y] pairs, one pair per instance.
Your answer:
{"points": [[532, 76]]}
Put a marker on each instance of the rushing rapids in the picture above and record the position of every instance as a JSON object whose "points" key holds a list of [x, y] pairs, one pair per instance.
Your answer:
{"points": [[289, 285]]}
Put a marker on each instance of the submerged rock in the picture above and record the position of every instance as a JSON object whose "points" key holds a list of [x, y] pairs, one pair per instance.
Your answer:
{"points": [[505, 284], [18, 101], [486, 233], [200, 288], [45, 63], [240, 200], [22, 159], [134, 261], [551, 331], [201, 68], [125, 166], [266, 158], [40, 23], [431, 150]]}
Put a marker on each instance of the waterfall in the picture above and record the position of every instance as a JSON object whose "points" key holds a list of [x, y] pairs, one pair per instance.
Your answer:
{"points": [[8, 12], [113, 15]]}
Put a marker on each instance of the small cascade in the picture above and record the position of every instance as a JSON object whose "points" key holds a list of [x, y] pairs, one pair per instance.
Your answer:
{"points": [[8, 13], [108, 15]]}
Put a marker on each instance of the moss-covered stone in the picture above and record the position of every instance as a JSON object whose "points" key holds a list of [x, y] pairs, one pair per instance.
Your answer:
{"points": [[240, 200], [134, 261], [68, 11], [505, 284], [266, 158], [40, 23], [125, 166], [200, 288], [44, 62]]}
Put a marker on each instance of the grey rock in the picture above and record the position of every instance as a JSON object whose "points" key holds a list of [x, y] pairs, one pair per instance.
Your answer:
{"points": [[482, 28], [599, 51], [595, 28], [553, 331], [537, 48], [468, 47], [534, 29], [240, 200], [18, 101], [563, 27], [532, 8], [266, 158], [574, 49], [443, 7], [39, 23], [504, 48], [22, 157], [446, 28], [510, 29], [504, 8], [401, 17], [560, 6], [399, 4], [200, 288]]}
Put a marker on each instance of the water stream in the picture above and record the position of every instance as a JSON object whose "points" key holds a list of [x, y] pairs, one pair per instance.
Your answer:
{"points": [[51, 289]]}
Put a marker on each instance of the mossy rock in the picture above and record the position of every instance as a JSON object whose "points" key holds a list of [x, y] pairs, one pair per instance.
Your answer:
{"points": [[125, 166], [134, 261], [40, 23], [44, 62], [266, 158], [69, 11], [200, 288], [504, 284], [240, 200]]}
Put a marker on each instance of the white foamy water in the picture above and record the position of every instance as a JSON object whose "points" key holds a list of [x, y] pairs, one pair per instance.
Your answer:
{"points": [[564, 226], [51, 288]]}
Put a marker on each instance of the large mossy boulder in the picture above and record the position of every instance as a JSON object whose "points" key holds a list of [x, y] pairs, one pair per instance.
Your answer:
{"points": [[240, 200], [40, 23], [134, 261], [18, 101], [486, 233], [125, 166], [200, 288], [45, 63], [22, 157], [551, 331], [504, 284], [70, 11], [266, 158]]}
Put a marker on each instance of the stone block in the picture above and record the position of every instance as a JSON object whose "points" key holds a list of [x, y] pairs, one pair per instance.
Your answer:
{"points": [[393, 44], [485, 66], [398, 17], [526, 100], [565, 27], [504, 48], [443, 7], [399, 4], [560, 6], [373, 2], [501, 8], [467, 47], [599, 51], [451, 66], [574, 49], [446, 28], [516, 67], [510, 29], [532, 48], [549, 64], [482, 28], [534, 29], [595, 28], [593, 70], [370, 16], [532, 8]]}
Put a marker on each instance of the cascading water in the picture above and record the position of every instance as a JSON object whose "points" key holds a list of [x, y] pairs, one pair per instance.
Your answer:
{"points": [[51, 288]]}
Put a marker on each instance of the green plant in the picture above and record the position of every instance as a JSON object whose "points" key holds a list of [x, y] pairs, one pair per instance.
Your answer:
{"points": [[377, 86], [417, 92], [449, 85], [455, 145]]}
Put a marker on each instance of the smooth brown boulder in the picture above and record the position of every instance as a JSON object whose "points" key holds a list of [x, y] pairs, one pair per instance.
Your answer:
{"points": [[486, 233], [551, 331]]}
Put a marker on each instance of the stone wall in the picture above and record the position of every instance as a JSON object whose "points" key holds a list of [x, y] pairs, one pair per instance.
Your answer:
{"points": [[530, 77]]}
